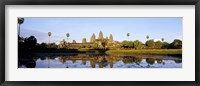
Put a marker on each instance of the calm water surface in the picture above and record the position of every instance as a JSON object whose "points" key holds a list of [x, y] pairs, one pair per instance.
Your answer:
{"points": [[53, 60]]}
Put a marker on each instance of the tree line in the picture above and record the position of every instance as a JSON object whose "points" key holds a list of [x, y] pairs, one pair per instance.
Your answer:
{"points": [[30, 43], [151, 44]]}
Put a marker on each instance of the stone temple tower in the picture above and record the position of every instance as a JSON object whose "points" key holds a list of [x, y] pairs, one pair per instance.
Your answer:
{"points": [[100, 35], [93, 38]]}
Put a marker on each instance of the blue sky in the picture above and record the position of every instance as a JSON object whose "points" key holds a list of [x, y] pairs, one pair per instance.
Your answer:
{"points": [[156, 28]]}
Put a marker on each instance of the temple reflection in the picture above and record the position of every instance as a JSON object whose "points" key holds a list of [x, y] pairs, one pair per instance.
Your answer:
{"points": [[95, 61]]}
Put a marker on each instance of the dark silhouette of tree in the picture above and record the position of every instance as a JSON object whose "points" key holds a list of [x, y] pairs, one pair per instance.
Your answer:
{"points": [[27, 44], [43, 46], [20, 21], [30, 42], [53, 45]]}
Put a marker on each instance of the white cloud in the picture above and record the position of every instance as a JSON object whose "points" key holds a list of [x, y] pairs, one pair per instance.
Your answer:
{"points": [[40, 36]]}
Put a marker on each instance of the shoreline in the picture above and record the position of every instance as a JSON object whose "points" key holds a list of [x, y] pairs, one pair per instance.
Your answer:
{"points": [[122, 51], [150, 51]]}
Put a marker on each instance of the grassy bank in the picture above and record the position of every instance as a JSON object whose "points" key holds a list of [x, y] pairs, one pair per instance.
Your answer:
{"points": [[148, 51], [70, 51], [132, 51]]}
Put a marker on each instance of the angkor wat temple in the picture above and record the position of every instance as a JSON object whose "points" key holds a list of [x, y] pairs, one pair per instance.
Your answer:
{"points": [[93, 40]]}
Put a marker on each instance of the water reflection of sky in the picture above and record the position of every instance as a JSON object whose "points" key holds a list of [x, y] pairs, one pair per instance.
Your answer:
{"points": [[79, 61]]}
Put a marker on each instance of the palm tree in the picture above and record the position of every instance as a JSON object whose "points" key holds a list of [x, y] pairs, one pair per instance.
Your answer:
{"points": [[162, 39], [49, 34], [67, 36], [20, 21], [147, 37], [128, 34]]}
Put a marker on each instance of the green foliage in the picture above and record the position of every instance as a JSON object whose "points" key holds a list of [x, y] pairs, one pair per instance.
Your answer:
{"points": [[176, 44], [137, 60], [158, 44], [130, 59], [53, 45], [128, 34], [127, 60], [127, 44], [137, 44], [148, 51], [165, 45], [150, 43], [42, 46]]}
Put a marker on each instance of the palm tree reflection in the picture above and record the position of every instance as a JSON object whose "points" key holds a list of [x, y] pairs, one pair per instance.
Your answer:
{"points": [[92, 63], [27, 61], [178, 61], [84, 61], [111, 64], [159, 61], [150, 61]]}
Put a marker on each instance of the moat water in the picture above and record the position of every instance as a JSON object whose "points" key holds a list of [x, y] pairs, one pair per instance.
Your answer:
{"points": [[70, 60]]}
